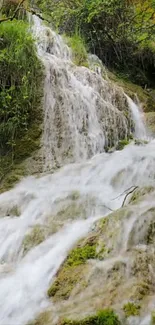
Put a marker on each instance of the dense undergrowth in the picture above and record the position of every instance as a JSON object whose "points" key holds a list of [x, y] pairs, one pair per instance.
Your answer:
{"points": [[21, 76], [121, 33]]}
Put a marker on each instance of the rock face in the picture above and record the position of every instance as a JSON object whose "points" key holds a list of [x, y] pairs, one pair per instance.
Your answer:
{"points": [[150, 121], [113, 267]]}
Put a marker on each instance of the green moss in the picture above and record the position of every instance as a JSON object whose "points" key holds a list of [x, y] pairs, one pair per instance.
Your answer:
{"points": [[121, 144], [43, 319], [153, 318], [150, 121], [72, 270], [140, 192], [103, 317], [81, 254], [67, 279], [130, 88], [75, 195], [139, 142], [131, 309], [151, 233], [12, 168], [34, 238], [140, 290]]}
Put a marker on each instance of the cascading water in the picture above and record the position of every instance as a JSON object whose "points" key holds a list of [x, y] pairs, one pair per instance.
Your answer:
{"points": [[82, 113]]}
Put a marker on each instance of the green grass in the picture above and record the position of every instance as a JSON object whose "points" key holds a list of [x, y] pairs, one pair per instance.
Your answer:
{"points": [[79, 50]]}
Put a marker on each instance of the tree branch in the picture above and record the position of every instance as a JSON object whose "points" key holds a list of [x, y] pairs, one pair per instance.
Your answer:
{"points": [[32, 11], [14, 14], [128, 194]]}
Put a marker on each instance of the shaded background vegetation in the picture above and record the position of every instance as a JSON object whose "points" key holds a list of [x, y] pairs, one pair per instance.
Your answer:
{"points": [[21, 78], [120, 32]]}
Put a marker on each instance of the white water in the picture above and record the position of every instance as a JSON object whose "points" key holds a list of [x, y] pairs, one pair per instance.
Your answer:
{"points": [[72, 92], [84, 113]]}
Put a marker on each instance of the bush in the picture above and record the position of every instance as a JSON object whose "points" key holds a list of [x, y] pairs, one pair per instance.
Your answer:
{"points": [[79, 50], [20, 83]]}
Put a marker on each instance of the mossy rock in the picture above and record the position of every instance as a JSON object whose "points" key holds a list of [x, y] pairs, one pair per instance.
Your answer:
{"points": [[140, 192], [150, 122], [43, 319], [139, 142], [12, 169], [103, 317], [72, 271], [140, 290], [34, 238], [131, 309], [121, 144], [152, 318], [130, 88]]}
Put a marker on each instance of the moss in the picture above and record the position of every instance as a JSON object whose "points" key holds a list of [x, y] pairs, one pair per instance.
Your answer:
{"points": [[75, 195], [140, 192], [153, 318], [81, 254], [66, 280], [34, 238], [12, 168], [131, 309], [139, 142], [103, 317], [121, 144], [151, 233], [130, 88], [14, 211], [150, 121], [43, 319], [72, 270], [140, 290]]}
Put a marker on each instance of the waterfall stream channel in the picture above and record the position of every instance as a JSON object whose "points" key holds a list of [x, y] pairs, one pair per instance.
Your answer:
{"points": [[83, 115]]}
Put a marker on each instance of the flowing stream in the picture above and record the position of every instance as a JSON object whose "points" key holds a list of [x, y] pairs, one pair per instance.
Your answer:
{"points": [[82, 106]]}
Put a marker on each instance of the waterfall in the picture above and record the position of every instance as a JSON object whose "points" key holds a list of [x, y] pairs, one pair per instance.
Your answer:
{"points": [[84, 113]]}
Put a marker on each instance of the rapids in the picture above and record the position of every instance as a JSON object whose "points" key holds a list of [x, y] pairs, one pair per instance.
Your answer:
{"points": [[72, 96]]}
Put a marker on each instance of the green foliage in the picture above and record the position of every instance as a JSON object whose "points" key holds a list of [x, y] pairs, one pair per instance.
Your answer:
{"points": [[131, 309], [103, 317], [120, 32], [20, 83], [78, 49]]}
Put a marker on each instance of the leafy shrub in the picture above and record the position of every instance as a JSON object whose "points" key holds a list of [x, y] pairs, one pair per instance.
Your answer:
{"points": [[78, 49], [20, 83]]}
